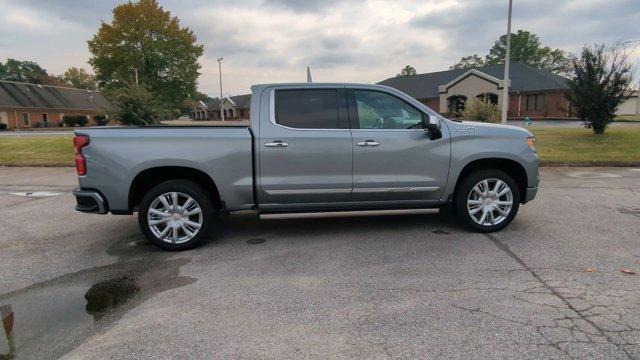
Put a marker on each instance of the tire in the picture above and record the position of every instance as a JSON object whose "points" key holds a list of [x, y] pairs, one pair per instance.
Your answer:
{"points": [[470, 205], [180, 228]]}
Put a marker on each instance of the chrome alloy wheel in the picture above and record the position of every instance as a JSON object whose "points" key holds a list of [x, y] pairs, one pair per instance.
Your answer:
{"points": [[174, 217], [490, 202]]}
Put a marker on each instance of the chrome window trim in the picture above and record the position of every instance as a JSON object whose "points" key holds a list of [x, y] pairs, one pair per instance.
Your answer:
{"points": [[272, 107], [308, 191]]}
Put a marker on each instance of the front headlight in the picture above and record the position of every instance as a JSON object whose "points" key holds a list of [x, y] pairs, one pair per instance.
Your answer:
{"points": [[531, 143]]}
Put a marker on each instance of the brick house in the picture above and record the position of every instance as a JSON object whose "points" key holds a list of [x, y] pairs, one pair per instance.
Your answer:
{"points": [[234, 108], [24, 105], [533, 93]]}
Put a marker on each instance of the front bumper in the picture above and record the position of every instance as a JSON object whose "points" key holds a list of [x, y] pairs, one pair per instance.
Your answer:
{"points": [[90, 201], [531, 194]]}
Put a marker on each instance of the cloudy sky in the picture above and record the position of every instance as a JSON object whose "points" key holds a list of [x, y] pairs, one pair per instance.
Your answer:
{"points": [[347, 41]]}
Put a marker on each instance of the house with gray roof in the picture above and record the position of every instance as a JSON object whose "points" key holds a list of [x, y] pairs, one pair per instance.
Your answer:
{"points": [[233, 108], [24, 105], [533, 93]]}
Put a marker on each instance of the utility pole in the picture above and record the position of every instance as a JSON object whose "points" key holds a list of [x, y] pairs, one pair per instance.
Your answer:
{"points": [[505, 87], [221, 97]]}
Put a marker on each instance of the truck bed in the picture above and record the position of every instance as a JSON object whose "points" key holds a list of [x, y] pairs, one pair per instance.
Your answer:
{"points": [[116, 155]]}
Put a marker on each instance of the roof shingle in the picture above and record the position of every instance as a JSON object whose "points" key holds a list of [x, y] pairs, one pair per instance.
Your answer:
{"points": [[23, 95]]}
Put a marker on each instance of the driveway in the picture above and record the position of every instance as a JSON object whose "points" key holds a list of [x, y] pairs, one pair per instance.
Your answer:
{"points": [[409, 286]]}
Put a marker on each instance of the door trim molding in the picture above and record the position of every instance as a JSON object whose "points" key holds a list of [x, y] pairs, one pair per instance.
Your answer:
{"points": [[397, 189], [356, 191], [308, 191]]}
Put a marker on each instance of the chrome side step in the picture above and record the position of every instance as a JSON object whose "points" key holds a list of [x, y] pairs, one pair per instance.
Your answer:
{"points": [[355, 213]]}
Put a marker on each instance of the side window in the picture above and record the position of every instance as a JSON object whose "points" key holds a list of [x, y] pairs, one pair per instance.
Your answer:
{"points": [[377, 110], [307, 108]]}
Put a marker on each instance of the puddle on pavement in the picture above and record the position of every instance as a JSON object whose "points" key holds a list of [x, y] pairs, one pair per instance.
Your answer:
{"points": [[256, 241], [439, 231], [51, 318]]}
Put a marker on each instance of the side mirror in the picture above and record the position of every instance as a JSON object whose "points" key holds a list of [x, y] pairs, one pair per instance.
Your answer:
{"points": [[432, 125]]}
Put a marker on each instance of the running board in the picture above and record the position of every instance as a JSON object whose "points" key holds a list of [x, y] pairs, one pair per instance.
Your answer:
{"points": [[353, 213]]}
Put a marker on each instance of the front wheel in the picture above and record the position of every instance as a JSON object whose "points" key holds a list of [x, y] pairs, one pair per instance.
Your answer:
{"points": [[175, 214], [487, 200]]}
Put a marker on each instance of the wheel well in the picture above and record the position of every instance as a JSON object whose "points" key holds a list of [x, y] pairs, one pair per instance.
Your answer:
{"points": [[513, 168], [147, 179]]}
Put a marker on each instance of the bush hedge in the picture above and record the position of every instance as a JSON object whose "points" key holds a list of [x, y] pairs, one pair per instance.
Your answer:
{"points": [[75, 120]]}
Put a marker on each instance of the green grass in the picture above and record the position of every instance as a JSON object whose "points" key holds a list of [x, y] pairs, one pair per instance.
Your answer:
{"points": [[556, 146], [569, 146], [627, 118], [36, 150]]}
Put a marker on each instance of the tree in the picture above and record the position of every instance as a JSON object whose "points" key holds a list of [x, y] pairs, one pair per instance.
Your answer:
{"points": [[24, 71], [79, 78], [137, 105], [597, 85], [526, 49], [469, 62], [407, 70], [144, 37]]}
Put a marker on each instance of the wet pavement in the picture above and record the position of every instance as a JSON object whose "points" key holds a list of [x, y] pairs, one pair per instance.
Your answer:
{"points": [[403, 286]]}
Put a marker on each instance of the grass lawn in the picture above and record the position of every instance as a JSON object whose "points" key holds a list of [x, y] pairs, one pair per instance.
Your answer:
{"points": [[627, 118], [556, 146], [578, 146], [36, 150]]}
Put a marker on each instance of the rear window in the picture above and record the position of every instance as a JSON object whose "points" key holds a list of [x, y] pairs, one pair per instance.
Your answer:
{"points": [[307, 108]]}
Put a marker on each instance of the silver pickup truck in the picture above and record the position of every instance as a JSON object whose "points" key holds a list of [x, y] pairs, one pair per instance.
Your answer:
{"points": [[309, 148]]}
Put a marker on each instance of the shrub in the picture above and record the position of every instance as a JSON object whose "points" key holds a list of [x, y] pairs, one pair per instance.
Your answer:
{"points": [[3, 126], [75, 120], [599, 80], [480, 110], [101, 120]]}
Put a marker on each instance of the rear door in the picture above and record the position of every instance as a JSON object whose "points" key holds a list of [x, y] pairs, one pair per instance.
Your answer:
{"points": [[305, 157], [393, 158]]}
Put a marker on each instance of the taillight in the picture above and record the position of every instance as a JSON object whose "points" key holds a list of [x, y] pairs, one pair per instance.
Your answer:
{"points": [[79, 142]]}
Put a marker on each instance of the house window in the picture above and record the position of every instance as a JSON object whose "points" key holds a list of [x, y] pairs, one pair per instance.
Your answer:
{"points": [[535, 101], [25, 119], [45, 117]]}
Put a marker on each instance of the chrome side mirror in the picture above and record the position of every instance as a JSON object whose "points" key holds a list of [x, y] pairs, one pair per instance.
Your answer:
{"points": [[433, 122], [432, 125]]}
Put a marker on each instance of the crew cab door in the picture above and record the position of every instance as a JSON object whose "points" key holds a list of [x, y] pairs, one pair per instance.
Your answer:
{"points": [[394, 159], [305, 156]]}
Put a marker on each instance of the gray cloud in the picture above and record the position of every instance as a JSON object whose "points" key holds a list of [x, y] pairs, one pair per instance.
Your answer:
{"points": [[363, 41]]}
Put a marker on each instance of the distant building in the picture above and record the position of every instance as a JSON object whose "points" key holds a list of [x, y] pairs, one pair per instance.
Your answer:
{"points": [[24, 105], [234, 107], [533, 93], [630, 105]]}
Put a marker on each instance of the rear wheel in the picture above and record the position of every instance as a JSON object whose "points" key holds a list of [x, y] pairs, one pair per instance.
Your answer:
{"points": [[487, 200], [175, 215]]}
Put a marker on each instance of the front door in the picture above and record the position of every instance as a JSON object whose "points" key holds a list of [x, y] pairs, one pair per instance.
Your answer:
{"points": [[4, 118], [305, 157], [394, 161]]}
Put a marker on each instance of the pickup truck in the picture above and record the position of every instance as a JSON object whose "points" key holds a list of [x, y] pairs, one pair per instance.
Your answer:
{"points": [[308, 148]]}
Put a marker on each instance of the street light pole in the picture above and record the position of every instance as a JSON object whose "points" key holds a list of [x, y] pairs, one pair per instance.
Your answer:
{"points": [[505, 85], [221, 97]]}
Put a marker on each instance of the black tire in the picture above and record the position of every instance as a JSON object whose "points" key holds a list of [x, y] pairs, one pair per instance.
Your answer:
{"points": [[466, 186], [185, 187]]}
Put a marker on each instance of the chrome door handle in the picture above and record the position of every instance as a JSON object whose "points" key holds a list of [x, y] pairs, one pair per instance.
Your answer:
{"points": [[368, 143], [276, 144]]}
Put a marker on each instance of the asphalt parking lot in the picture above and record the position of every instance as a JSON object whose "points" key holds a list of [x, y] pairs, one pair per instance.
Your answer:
{"points": [[410, 286]]}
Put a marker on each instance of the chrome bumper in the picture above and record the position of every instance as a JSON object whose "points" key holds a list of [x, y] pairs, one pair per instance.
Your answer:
{"points": [[90, 201]]}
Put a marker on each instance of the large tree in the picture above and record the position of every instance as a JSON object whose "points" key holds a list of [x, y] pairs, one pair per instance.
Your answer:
{"points": [[24, 71], [599, 79], [143, 37], [79, 78], [526, 49]]}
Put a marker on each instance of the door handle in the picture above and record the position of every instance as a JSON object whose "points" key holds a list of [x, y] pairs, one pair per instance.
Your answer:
{"points": [[368, 143], [276, 143]]}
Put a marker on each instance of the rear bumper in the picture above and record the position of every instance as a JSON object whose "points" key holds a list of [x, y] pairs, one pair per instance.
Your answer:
{"points": [[531, 194], [90, 201]]}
